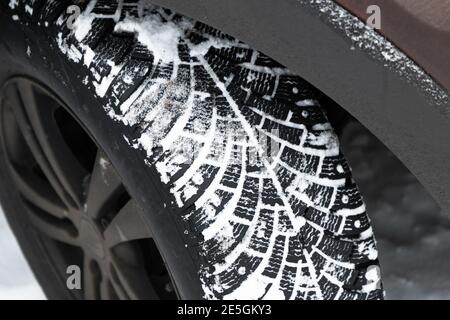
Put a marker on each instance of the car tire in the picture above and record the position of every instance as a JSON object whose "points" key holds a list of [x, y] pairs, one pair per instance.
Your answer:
{"points": [[187, 127]]}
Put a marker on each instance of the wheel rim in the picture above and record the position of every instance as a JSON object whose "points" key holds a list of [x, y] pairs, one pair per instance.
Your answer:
{"points": [[76, 200]]}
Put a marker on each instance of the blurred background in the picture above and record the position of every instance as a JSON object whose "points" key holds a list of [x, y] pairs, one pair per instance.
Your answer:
{"points": [[412, 232], [16, 278]]}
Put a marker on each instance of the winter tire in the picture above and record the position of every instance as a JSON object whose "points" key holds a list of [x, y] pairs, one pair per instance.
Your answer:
{"points": [[219, 174]]}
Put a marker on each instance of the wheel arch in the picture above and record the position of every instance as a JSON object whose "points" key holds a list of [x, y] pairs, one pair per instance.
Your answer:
{"points": [[407, 111]]}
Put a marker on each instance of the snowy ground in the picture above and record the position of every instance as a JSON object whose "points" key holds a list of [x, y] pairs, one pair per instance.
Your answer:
{"points": [[16, 279], [413, 234]]}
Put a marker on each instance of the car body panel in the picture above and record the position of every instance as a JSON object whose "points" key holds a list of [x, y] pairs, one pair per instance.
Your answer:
{"points": [[420, 28], [409, 113]]}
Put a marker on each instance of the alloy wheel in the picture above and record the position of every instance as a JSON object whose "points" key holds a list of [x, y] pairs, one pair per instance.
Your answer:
{"points": [[76, 200]]}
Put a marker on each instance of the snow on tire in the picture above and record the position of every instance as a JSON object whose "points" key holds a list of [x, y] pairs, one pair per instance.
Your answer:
{"points": [[253, 165]]}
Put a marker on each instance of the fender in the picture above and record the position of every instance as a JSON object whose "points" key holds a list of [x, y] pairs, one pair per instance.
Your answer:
{"points": [[416, 27], [352, 64]]}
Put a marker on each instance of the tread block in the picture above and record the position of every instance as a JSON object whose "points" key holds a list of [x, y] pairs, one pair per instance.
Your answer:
{"points": [[272, 108], [265, 61], [248, 201], [201, 118], [329, 222], [336, 249], [347, 197], [244, 265], [335, 168], [276, 259], [287, 281], [270, 195], [234, 54], [234, 170], [284, 223], [285, 177], [217, 249], [293, 88], [129, 79], [106, 7], [100, 29], [301, 162], [203, 217], [309, 236], [257, 82], [204, 82], [141, 52], [329, 290], [295, 250], [263, 231], [205, 29], [53, 9]]}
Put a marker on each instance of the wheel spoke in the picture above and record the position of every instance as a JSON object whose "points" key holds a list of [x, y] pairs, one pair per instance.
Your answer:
{"points": [[75, 199], [61, 230], [131, 280], [33, 144], [60, 163], [117, 285], [38, 193], [107, 291], [91, 279], [105, 188], [126, 226]]}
